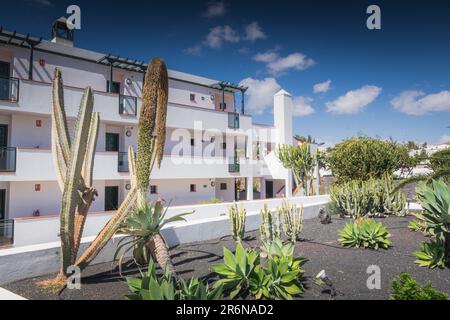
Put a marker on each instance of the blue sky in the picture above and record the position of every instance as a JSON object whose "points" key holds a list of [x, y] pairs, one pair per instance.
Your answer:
{"points": [[393, 82]]}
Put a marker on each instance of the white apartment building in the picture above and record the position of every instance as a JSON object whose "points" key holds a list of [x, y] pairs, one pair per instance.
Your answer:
{"points": [[242, 160]]}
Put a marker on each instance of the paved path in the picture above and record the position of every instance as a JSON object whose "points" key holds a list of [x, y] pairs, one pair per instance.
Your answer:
{"points": [[7, 295]]}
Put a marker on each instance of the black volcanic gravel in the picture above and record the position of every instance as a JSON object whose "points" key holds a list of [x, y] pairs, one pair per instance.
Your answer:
{"points": [[345, 267]]}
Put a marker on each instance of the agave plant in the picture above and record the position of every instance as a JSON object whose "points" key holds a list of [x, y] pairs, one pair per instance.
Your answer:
{"points": [[366, 233], [242, 274], [152, 287], [432, 255], [237, 272], [143, 230], [194, 289]]}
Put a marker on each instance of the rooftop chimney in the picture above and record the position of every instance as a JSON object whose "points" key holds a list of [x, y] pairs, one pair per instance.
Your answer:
{"points": [[61, 33]]}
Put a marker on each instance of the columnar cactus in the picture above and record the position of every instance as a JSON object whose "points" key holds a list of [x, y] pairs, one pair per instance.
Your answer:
{"points": [[237, 222], [269, 228], [151, 140], [292, 221], [73, 160]]}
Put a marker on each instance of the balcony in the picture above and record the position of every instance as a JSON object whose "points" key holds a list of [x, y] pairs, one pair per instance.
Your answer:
{"points": [[233, 120], [9, 89], [123, 162], [8, 159], [6, 232], [234, 167], [127, 105]]}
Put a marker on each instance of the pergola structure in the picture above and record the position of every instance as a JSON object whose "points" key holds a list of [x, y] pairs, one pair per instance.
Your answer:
{"points": [[33, 43], [19, 40], [233, 88], [121, 63]]}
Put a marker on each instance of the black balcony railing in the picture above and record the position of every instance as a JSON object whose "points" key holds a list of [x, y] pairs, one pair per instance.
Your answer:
{"points": [[127, 105], [233, 120], [9, 89], [234, 167], [123, 162], [6, 232], [8, 159]]}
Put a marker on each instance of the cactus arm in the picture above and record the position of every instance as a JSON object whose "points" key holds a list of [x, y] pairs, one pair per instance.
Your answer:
{"points": [[109, 230], [88, 166], [60, 131], [88, 193]]}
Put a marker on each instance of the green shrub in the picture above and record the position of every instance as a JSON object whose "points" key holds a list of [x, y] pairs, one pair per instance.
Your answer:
{"points": [[150, 287], [406, 287], [211, 201], [243, 275], [363, 158], [365, 233], [374, 197], [440, 162]]}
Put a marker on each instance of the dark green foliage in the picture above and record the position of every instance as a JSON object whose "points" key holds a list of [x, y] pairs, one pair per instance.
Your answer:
{"points": [[363, 158], [242, 274], [366, 233], [405, 287], [152, 287]]}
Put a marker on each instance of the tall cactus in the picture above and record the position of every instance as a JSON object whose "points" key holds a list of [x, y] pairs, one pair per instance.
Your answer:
{"points": [[237, 218], [73, 160], [292, 221], [269, 228], [151, 140]]}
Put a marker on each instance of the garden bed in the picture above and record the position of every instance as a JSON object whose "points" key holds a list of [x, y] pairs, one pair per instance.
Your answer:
{"points": [[345, 267]]}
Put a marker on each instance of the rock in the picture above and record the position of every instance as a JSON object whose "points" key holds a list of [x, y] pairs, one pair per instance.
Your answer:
{"points": [[324, 217]]}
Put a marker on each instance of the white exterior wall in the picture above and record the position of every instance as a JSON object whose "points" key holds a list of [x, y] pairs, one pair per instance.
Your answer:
{"points": [[34, 163]]}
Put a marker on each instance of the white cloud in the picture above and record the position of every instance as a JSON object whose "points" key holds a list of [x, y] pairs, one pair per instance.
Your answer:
{"points": [[302, 106], [260, 93], [215, 9], [322, 87], [260, 97], [217, 36], [277, 64], [418, 103], [354, 101], [254, 32]]}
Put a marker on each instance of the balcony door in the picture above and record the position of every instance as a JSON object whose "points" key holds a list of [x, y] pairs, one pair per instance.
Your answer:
{"points": [[111, 198], [4, 80], [112, 142], [4, 154], [269, 189]]}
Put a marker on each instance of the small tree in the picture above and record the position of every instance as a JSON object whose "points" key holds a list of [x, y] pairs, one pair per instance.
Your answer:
{"points": [[363, 158], [301, 161]]}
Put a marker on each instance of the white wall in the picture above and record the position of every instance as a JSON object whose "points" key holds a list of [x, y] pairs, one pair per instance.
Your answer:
{"points": [[178, 191]]}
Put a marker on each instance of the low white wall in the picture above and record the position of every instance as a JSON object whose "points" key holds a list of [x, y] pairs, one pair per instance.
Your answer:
{"points": [[46, 229], [23, 262]]}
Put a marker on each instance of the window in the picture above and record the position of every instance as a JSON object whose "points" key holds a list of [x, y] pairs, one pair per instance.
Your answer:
{"points": [[153, 189], [223, 106], [112, 142], [223, 186], [192, 97], [192, 142], [115, 88], [193, 188], [224, 146]]}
